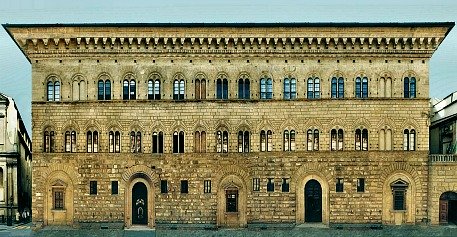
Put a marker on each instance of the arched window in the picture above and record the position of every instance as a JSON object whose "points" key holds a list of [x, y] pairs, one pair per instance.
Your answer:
{"points": [[222, 141], [157, 142], [243, 142], [336, 143], [361, 140], [79, 88], [200, 141], [222, 87], [129, 89], [154, 89], [290, 88], [104, 90], [70, 141], [266, 88], [200, 88], [49, 141], [266, 140], [410, 87], [92, 141], [385, 139], [178, 142], [53, 89], [244, 88], [337, 87], [313, 139], [409, 140], [135, 142], [361, 87], [289, 140], [313, 88], [114, 142], [178, 89]]}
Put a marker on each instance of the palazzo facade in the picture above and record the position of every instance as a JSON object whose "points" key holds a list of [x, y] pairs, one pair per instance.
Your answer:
{"points": [[230, 125]]}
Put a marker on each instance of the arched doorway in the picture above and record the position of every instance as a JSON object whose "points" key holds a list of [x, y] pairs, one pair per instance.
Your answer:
{"points": [[448, 208], [231, 202], [313, 201], [139, 204]]}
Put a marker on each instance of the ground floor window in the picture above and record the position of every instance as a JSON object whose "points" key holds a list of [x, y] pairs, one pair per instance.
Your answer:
{"points": [[58, 195], [232, 201], [399, 195]]}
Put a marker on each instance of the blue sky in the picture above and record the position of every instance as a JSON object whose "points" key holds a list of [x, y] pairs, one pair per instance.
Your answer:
{"points": [[15, 70]]}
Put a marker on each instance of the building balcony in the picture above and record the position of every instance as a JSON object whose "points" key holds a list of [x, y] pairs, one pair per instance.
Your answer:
{"points": [[443, 158]]}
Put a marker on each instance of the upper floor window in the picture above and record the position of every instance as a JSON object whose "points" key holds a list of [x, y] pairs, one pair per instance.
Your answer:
{"points": [[129, 88], [314, 88], [385, 86], [336, 137], [79, 91], [49, 141], [154, 89], [243, 141], [222, 141], [53, 89], [222, 87], [361, 140], [70, 141], [290, 88], [178, 142], [410, 87], [114, 141], [337, 87], [178, 89], [244, 88], [266, 140], [92, 141], [266, 88], [289, 140], [200, 88], [312, 137], [385, 139], [200, 141], [409, 140], [157, 142], [135, 142], [104, 90], [361, 87]]}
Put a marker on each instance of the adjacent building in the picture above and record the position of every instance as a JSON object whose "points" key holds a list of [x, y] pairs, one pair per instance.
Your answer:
{"points": [[15, 164], [443, 158], [231, 125]]}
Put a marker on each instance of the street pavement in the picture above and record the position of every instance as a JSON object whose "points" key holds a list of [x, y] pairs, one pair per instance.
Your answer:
{"points": [[394, 231]]}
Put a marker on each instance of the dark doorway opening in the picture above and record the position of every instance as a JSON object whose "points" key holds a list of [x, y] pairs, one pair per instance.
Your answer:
{"points": [[313, 201], [448, 208], [139, 204]]}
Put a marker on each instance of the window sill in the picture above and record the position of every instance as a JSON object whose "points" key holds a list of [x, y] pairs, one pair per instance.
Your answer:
{"points": [[231, 213], [398, 211], [59, 210]]}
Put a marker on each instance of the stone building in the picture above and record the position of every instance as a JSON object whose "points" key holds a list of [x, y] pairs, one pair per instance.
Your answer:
{"points": [[443, 160], [15, 163], [230, 125]]}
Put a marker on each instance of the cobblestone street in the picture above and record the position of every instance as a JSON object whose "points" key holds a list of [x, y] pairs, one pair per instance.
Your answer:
{"points": [[419, 231]]}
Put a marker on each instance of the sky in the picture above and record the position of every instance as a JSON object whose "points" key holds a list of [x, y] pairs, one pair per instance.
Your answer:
{"points": [[15, 70]]}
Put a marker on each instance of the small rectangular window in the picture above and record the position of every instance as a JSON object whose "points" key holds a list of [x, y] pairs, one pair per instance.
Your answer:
{"points": [[339, 185], [256, 184], [270, 185], [399, 199], [184, 186], [207, 186], [285, 185], [114, 188], [163, 186], [93, 188], [360, 185]]}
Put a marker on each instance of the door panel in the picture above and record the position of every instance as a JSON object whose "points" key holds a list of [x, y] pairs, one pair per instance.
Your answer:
{"points": [[313, 201], [139, 204]]}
